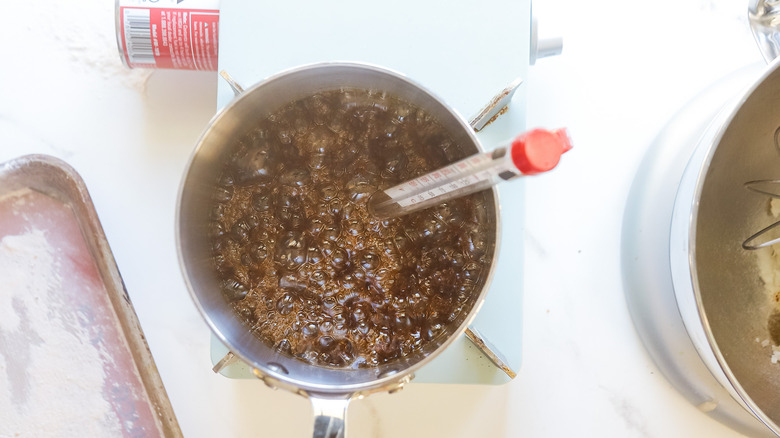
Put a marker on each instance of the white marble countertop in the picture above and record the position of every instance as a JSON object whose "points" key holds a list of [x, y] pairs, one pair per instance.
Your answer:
{"points": [[625, 69]]}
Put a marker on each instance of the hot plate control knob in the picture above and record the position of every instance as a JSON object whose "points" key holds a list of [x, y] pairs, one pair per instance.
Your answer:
{"points": [[544, 47]]}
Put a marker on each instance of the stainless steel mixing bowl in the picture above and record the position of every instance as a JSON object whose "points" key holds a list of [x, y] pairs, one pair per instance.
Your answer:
{"points": [[695, 294], [715, 213]]}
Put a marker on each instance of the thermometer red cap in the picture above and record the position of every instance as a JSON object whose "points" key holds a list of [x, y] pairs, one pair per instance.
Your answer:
{"points": [[539, 150]]}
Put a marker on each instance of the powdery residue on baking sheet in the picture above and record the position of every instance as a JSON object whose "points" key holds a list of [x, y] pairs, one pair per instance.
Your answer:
{"points": [[65, 369], [53, 376]]}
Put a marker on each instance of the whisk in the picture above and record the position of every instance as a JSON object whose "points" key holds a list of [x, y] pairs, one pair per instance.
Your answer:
{"points": [[769, 235]]}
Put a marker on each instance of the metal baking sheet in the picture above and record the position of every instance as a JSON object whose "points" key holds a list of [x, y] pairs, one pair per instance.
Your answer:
{"points": [[73, 358]]}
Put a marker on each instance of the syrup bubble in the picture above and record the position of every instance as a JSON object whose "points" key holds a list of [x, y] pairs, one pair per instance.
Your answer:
{"points": [[337, 287]]}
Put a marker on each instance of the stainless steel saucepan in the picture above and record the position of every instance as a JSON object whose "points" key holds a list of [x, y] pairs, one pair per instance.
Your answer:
{"points": [[329, 389]]}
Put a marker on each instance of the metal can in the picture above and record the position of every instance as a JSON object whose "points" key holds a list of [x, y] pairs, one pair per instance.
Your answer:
{"points": [[169, 34]]}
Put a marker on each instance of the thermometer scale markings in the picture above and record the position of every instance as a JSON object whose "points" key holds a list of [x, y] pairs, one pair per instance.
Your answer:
{"points": [[431, 185]]}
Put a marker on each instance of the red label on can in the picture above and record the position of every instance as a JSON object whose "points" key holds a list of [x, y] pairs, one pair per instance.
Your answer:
{"points": [[170, 38]]}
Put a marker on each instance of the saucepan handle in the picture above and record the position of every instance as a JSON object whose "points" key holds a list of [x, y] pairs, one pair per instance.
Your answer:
{"points": [[330, 416], [764, 16]]}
